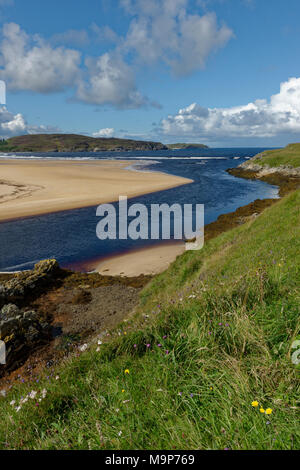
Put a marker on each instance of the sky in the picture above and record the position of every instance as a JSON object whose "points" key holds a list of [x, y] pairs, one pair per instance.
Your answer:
{"points": [[225, 73]]}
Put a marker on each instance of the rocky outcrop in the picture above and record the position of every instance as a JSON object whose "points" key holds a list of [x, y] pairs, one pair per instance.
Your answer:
{"points": [[265, 170], [27, 283], [23, 329]]}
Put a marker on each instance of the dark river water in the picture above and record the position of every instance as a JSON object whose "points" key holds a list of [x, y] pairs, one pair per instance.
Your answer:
{"points": [[70, 236]]}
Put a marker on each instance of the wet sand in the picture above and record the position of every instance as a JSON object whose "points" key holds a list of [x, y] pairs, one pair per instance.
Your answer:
{"points": [[148, 261], [34, 187]]}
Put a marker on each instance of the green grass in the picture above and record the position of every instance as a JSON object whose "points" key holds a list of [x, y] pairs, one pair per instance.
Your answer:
{"points": [[288, 156], [228, 316]]}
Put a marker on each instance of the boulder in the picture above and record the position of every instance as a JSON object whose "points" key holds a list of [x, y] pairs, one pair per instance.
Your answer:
{"points": [[26, 283]]}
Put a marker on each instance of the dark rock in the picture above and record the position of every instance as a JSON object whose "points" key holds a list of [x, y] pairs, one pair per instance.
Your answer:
{"points": [[26, 283]]}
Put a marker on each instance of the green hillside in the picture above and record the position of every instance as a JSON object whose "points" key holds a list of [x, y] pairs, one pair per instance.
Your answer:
{"points": [[288, 156], [186, 146], [73, 143], [212, 337]]}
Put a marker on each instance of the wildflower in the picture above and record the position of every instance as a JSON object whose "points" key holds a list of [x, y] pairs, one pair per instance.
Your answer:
{"points": [[99, 343], [125, 332], [120, 433], [32, 394], [192, 395], [44, 393], [269, 411], [98, 349], [167, 352], [57, 377], [254, 404], [18, 409], [83, 347], [117, 410], [261, 410], [148, 345], [165, 337], [126, 371], [13, 402], [159, 345], [135, 346], [123, 391], [180, 394]]}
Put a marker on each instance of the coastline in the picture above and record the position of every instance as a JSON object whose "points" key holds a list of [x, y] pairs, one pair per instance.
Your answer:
{"points": [[129, 264], [36, 187]]}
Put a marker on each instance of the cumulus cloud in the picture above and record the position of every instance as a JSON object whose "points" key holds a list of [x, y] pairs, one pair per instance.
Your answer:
{"points": [[15, 124], [260, 119], [29, 63], [107, 132], [159, 31], [163, 30], [110, 81]]}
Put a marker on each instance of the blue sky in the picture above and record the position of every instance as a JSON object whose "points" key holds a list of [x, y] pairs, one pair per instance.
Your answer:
{"points": [[221, 72]]}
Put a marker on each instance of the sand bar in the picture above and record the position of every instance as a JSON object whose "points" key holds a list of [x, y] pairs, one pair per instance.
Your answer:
{"points": [[33, 187], [152, 260]]}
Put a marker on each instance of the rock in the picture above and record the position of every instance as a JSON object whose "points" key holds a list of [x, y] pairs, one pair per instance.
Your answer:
{"points": [[9, 311], [26, 283]]}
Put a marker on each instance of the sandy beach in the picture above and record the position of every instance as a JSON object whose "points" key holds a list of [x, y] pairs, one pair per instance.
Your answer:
{"points": [[148, 261], [33, 187]]}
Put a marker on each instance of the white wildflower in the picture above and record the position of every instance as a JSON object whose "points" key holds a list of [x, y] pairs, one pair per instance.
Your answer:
{"points": [[13, 402], [83, 347], [32, 395]]}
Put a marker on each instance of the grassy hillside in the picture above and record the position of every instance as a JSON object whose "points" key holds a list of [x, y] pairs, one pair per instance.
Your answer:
{"points": [[72, 143], [213, 336], [288, 156], [187, 146]]}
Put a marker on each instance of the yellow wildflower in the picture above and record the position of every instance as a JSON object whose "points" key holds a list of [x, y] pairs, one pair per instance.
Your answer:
{"points": [[126, 371], [262, 410], [123, 391], [254, 404], [269, 411]]}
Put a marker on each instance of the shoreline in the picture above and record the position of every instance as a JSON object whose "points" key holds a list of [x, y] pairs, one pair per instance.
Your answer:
{"points": [[123, 265], [38, 187]]}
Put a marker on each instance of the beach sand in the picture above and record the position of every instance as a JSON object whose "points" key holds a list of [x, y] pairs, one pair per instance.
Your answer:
{"points": [[151, 260], [33, 187]]}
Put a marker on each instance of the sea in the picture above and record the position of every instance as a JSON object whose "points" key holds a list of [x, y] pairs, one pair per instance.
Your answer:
{"points": [[70, 236]]}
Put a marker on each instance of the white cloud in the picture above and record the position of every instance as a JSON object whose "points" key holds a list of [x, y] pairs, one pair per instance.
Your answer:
{"points": [[110, 81], [29, 63], [15, 124], [160, 31], [163, 30], [107, 132], [260, 119]]}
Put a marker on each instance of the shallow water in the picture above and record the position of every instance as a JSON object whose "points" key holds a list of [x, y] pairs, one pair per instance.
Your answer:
{"points": [[70, 236]]}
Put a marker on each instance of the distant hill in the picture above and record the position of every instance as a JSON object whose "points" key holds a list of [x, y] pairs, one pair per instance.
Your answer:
{"points": [[187, 146], [73, 143]]}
